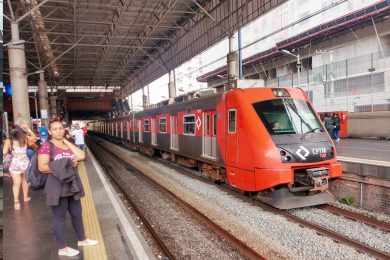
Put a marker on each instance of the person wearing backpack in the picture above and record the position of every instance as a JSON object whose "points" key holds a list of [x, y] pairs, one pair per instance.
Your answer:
{"points": [[15, 148], [61, 197]]}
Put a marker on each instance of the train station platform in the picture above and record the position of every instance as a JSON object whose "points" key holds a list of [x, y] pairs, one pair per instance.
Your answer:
{"points": [[29, 234], [378, 150], [365, 158]]}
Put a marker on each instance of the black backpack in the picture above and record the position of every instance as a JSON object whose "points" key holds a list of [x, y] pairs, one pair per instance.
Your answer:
{"points": [[35, 178]]}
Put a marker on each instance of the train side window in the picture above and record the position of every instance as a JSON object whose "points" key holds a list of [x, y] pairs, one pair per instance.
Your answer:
{"points": [[215, 124], [163, 125], [146, 125], [189, 124], [232, 117]]}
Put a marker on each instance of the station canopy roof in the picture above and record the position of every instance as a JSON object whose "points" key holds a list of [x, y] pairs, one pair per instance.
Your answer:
{"points": [[113, 42]]}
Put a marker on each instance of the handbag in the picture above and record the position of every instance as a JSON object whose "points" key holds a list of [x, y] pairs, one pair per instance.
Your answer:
{"points": [[7, 162]]}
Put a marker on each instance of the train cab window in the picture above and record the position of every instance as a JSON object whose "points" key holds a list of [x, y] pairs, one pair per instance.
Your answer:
{"points": [[232, 117], [287, 116], [189, 124], [163, 125], [146, 125]]}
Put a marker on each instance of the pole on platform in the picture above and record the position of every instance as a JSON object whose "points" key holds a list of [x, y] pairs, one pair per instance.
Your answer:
{"points": [[36, 105], [172, 86], [43, 99], [18, 76], [53, 105], [232, 64], [240, 71]]}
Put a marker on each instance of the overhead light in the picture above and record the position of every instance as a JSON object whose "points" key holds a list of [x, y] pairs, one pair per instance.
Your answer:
{"points": [[286, 51]]}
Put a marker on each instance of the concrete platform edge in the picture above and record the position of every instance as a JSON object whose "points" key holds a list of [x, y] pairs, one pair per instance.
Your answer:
{"points": [[134, 240]]}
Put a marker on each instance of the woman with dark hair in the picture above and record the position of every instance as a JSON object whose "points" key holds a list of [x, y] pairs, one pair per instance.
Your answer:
{"points": [[16, 145], [58, 158]]}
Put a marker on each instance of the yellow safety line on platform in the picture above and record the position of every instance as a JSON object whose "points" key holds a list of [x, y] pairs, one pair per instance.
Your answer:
{"points": [[90, 221]]}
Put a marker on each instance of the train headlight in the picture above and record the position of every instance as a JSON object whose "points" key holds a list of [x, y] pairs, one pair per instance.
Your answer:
{"points": [[280, 92], [285, 156]]}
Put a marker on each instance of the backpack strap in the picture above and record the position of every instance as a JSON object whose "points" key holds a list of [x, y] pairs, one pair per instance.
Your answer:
{"points": [[51, 151]]}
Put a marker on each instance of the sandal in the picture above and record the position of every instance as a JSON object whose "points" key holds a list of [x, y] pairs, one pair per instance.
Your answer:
{"points": [[17, 206], [27, 199]]}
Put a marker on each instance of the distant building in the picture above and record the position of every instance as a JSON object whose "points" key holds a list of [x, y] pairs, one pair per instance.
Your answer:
{"points": [[344, 48]]}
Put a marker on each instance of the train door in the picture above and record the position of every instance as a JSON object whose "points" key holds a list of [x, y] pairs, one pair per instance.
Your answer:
{"points": [[140, 133], [153, 131], [121, 127], [208, 138], [232, 137], [173, 133], [128, 129]]}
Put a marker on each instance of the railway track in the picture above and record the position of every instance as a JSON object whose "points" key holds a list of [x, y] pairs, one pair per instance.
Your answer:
{"points": [[242, 248], [360, 247], [157, 238], [370, 221], [340, 238]]}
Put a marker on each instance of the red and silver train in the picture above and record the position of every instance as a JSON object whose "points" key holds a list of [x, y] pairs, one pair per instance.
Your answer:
{"points": [[264, 141]]}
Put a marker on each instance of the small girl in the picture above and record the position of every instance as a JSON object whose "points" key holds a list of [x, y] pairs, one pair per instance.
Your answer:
{"points": [[17, 146]]}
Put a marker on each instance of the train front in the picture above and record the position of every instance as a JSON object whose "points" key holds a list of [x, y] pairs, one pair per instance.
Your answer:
{"points": [[303, 155], [304, 146]]}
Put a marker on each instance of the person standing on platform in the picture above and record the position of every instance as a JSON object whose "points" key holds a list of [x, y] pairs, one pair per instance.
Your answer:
{"points": [[336, 127], [17, 147], [328, 122], [32, 139], [54, 158], [78, 135]]}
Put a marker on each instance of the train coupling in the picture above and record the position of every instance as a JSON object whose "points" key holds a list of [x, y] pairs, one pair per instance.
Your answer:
{"points": [[312, 179], [319, 178]]}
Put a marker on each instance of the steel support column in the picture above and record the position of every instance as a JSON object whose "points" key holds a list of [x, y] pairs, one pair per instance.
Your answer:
{"points": [[53, 105], [232, 64], [43, 99], [172, 86], [18, 77], [144, 99]]}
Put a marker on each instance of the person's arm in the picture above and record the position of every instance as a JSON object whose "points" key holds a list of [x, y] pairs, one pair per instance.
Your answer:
{"points": [[6, 146], [43, 163], [80, 154], [28, 130]]}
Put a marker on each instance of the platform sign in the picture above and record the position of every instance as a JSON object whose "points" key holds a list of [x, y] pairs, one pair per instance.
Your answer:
{"points": [[44, 114]]}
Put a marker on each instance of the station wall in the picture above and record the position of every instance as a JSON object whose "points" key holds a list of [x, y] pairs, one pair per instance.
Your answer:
{"points": [[375, 124]]}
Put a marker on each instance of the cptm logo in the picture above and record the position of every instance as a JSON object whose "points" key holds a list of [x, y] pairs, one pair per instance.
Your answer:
{"points": [[302, 152]]}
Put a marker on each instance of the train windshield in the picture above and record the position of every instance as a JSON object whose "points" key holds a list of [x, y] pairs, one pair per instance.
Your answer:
{"points": [[287, 116]]}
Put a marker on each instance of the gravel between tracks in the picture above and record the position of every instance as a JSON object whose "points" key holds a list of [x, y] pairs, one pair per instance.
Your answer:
{"points": [[379, 216], [352, 229], [186, 238], [271, 235]]}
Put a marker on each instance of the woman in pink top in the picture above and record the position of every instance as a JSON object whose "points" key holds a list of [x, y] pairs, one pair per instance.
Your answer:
{"points": [[63, 149]]}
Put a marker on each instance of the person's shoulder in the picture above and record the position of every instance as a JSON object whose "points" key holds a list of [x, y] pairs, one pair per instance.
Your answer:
{"points": [[44, 148]]}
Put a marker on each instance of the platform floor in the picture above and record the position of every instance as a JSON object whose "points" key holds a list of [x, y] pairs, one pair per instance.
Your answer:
{"points": [[364, 149], [28, 232]]}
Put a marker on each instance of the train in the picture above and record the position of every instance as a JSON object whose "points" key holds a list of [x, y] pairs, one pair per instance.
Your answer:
{"points": [[265, 142]]}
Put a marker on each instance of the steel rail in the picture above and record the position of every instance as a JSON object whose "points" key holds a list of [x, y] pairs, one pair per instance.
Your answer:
{"points": [[359, 246], [244, 249], [137, 210], [370, 221]]}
